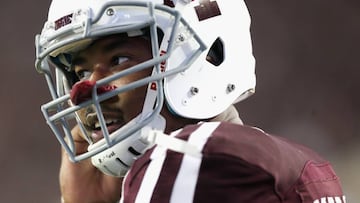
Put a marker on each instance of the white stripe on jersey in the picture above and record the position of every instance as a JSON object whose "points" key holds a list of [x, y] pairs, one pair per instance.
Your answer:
{"points": [[331, 200], [185, 183], [152, 173]]}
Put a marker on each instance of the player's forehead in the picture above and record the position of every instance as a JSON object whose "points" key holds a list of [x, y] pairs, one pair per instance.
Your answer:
{"points": [[109, 43], [106, 42]]}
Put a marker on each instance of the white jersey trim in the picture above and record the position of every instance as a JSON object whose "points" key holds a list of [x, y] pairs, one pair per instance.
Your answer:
{"points": [[152, 173], [184, 186], [186, 180], [331, 200]]}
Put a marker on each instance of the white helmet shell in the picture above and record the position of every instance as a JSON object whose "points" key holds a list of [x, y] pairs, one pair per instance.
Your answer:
{"points": [[205, 90]]}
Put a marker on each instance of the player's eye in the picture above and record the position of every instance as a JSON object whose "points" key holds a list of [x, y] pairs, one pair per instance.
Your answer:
{"points": [[119, 60]]}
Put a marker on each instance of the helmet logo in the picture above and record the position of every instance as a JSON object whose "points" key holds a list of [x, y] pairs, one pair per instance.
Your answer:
{"points": [[207, 9], [61, 22]]}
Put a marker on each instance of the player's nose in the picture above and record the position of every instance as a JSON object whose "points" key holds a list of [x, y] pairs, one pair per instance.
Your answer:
{"points": [[99, 71], [83, 90]]}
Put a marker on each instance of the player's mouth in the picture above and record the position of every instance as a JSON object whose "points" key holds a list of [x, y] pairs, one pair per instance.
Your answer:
{"points": [[113, 120], [111, 126]]}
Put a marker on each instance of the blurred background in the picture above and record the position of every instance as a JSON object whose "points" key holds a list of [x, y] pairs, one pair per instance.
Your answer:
{"points": [[308, 90]]}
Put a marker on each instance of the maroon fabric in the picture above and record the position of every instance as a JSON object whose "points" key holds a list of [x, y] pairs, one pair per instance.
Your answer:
{"points": [[243, 164], [166, 180], [163, 188], [136, 173], [318, 181]]}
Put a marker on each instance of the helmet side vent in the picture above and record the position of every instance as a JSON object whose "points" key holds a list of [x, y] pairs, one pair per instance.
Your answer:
{"points": [[215, 55]]}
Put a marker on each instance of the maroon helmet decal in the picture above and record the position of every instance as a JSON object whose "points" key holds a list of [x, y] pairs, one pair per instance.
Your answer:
{"points": [[61, 22], [207, 9]]}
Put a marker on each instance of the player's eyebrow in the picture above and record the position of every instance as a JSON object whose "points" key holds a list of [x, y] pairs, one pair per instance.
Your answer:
{"points": [[110, 46]]}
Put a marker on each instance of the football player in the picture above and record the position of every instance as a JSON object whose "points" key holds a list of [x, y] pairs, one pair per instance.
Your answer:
{"points": [[142, 104]]}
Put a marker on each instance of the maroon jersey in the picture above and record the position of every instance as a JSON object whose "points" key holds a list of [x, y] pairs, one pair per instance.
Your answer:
{"points": [[237, 164]]}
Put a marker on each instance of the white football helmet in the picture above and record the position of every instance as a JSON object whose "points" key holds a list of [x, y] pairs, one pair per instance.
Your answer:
{"points": [[202, 63]]}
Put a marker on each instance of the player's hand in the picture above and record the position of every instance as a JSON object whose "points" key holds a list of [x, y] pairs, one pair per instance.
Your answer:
{"points": [[83, 183]]}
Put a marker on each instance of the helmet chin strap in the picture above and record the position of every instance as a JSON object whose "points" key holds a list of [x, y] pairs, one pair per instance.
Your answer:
{"points": [[117, 159]]}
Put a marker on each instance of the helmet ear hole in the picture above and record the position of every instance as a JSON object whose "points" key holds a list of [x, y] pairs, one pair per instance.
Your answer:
{"points": [[215, 55]]}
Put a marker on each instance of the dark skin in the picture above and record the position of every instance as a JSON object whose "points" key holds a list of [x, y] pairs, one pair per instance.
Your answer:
{"points": [[82, 182]]}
